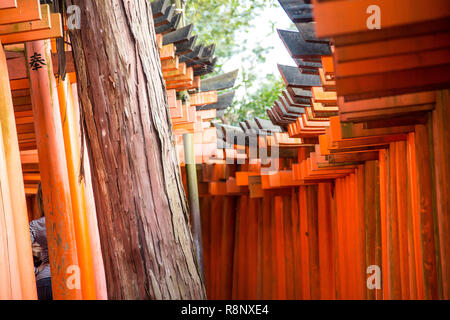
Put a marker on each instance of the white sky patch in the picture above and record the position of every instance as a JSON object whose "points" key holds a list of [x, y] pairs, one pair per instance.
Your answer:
{"points": [[262, 34]]}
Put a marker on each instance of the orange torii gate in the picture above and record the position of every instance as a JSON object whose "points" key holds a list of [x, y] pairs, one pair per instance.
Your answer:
{"points": [[22, 21], [41, 143], [359, 212]]}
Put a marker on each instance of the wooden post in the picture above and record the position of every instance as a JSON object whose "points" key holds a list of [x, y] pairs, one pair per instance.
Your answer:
{"points": [[73, 157], [91, 213], [227, 225], [313, 241], [441, 138], [10, 279], [54, 175], [372, 223], [326, 259], [16, 186], [304, 244]]}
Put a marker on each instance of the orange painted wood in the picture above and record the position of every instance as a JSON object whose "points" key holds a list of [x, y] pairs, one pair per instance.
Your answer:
{"points": [[415, 250], [372, 224], [77, 192], [364, 222], [6, 4], [181, 70], [393, 63], [328, 81], [94, 236], [177, 110], [227, 248], [55, 180], [341, 282], [17, 68], [402, 218], [279, 179], [16, 186], [159, 41], [44, 23], [207, 114], [181, 78], [215, 246], [334, 238], [347, 248], [27, 10], [328, 64], [268, 273], [180, 86], [289, 244], [11, 281], [395, 283], [304, 248], [440, 120], [170, 64], [313, 238], [392, 47], [203, 98], [167, 52], [194, 85], [393, 83], [239, 277], [295, 216], [383, 103], [19, 84], [242, 177], [321, 96], [278, 260], [251, 247], [172, 98], [427, 228]]}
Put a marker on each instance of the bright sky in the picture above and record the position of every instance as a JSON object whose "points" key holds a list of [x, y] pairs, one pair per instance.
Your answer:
{"points": [[262, 33]]}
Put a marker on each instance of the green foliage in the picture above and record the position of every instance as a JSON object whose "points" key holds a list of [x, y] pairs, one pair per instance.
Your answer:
{"points": [[255, 104], [227, 23], [218, 21]]}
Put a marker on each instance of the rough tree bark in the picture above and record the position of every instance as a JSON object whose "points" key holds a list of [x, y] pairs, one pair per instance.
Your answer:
{"points": [[141, 206]]}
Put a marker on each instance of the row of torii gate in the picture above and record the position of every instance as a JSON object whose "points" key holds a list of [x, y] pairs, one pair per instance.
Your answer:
{"points": [[40, 113], [41, 142]]}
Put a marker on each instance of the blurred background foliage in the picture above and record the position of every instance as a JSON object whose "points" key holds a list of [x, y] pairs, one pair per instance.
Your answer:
{"points": [[227, 23]]}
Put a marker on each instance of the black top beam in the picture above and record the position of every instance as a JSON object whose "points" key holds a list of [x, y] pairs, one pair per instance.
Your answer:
{"points": [[192, 56], [179, 35], [307, 67], [308, 32], [299, 48], [267, 125], [165, 18], [186, 46], [159, 7], [294, 78], [298, 10], [299, 93], [220, 82], [205, 69], [169, 27]]}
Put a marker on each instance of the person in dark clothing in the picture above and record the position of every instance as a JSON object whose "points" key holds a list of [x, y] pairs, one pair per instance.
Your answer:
{"points": [[42, 271]]}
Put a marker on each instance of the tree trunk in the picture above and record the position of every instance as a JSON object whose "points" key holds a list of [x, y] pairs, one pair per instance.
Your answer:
{"points": [[141, 206]]}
